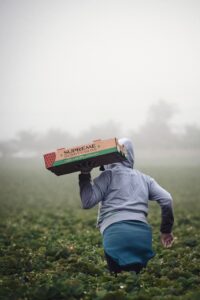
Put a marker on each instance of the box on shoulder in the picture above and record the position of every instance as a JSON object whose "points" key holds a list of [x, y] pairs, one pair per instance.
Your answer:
{"points": [[99, 152]]}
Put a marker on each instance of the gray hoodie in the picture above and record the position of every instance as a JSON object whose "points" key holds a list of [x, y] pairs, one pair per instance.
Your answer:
{"points": [[123, 194]]}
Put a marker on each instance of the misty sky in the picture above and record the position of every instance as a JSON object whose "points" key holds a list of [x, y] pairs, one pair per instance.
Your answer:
{"points": [[73, 64]]}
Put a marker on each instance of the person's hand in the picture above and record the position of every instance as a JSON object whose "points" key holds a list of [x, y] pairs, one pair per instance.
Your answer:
{"points": [[167, 239], [86, 167]]}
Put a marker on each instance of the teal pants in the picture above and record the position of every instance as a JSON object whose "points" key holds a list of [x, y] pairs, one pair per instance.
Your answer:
{"points": [[128, 245]]}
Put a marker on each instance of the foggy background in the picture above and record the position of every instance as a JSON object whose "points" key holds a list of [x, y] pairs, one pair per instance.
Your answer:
{"points": [[73, 71]]}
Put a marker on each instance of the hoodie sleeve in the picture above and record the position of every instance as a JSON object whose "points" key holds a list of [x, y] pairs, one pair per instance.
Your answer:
{"points": [[93, 193], [164, 199]]}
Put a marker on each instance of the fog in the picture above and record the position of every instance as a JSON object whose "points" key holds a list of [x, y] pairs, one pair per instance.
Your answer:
{"points": [[72, 71], [154, 142]]}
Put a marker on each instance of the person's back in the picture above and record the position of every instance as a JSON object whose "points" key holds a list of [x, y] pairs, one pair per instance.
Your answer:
{"points": [[123, 193], [126, 197]]}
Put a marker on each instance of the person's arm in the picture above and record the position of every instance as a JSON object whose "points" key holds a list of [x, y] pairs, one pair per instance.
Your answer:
{"points": [[93, 193], [157, 193]]}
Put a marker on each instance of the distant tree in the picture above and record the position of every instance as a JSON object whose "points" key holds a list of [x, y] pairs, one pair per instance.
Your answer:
{"points": [[7, 148], [103, 131], [191, 138], [156, 132]]}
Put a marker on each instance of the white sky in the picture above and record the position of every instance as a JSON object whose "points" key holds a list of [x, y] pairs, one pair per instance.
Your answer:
{"points": [[73, 64]]}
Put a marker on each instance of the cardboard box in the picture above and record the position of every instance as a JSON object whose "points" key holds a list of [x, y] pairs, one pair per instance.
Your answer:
{"points": [[99, 152]]}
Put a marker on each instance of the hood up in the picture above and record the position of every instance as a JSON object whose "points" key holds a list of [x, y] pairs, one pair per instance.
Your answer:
{"points": [[129, 162]]}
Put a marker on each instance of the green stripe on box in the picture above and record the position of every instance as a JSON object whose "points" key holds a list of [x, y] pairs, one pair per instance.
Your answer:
{"points": [[85, 156]]}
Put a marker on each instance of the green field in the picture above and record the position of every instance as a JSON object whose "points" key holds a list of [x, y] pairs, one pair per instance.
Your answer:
{"points": [[51, 249]]}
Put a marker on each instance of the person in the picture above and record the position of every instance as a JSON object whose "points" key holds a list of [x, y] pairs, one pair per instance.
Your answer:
{"points": [[122, 193]]}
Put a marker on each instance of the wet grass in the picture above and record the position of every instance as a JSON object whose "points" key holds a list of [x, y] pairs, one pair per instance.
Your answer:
{"points": [[51, 249]]}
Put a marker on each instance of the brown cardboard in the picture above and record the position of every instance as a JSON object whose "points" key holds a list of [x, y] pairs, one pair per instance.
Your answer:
{"points": [[99, 152]]}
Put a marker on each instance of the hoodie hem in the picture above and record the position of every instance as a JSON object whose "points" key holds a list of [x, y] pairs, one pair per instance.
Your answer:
{"points": [[121, 217]]}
